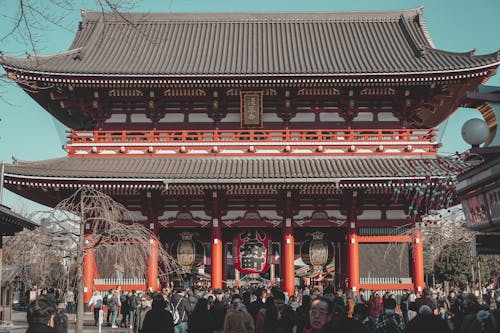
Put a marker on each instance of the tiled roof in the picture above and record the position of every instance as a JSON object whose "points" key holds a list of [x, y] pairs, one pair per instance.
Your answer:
{"points": [[11, 222], [243, 169], [246, 44]]}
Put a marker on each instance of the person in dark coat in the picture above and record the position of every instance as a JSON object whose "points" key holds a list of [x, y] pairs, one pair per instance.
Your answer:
{"points": [[218, 310], [280, 318], [200, 320], [41, 317], [158, 319], [142, 310], [258, 304]]}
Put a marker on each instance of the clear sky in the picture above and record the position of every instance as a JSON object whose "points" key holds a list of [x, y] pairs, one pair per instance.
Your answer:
{"points": [[27, 132]]}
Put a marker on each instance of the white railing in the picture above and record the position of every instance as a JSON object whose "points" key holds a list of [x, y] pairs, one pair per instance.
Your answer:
{"points": [[119, 282], [385, 280], [396, 292]]}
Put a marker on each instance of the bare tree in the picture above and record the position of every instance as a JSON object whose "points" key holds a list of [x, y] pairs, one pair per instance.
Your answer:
{"points": [[88, 222], [27, 23]]}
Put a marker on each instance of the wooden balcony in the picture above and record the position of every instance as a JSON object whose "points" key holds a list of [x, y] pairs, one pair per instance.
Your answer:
{"points": [[357, 142]]}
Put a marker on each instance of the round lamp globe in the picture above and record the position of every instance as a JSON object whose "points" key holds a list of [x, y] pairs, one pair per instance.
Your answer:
{"points": [[475, 131]]}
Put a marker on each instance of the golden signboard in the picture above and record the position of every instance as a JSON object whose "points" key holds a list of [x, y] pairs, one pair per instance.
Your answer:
{"points": [[251, 105]]}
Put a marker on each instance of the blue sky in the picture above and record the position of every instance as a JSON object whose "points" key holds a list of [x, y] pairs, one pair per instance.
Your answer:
{"points": [[27, 132]]}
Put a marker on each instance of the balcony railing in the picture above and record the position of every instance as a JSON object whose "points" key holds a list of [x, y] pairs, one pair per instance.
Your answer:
{"points": [[247, 142]]}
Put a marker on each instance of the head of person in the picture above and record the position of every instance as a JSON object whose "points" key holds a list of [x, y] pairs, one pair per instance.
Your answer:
{"points": [[41, 312], [306, 301], [470, 301], [144, 300], [320, 313], [389, 304], [202, 305], [260, 293], [219, 294], [360, 311], [158, 301], [279, 300], [246, 297]]}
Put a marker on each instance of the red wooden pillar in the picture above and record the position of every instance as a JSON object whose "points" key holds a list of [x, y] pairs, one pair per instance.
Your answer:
{"points": [[88, 270], [152, 274], [287, 268], [288, 259], [418, 261], [152, 282], [216, 273], [217, 245], [353, 253]]}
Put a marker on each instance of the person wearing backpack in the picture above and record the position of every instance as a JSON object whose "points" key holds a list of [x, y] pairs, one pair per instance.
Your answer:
{"points": [[96, 302], [181, 308], [487, 322], [389, 320]]}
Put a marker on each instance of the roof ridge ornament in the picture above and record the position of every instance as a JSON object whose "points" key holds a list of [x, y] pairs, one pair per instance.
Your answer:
{"points": [[418, 49]]}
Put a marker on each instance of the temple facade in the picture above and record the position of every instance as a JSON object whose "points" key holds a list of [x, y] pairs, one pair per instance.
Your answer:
{"points": [[265, 138]]}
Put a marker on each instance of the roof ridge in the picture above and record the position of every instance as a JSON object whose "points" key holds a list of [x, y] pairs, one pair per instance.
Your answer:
{"points": [[77, 55], [88, 15], [471, 53], [418, 49]]}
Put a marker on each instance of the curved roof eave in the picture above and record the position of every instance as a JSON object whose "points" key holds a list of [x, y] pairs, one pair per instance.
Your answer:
{"points": [[229, 75]]}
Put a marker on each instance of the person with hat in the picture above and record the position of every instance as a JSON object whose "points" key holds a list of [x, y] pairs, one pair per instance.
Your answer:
{"points": [[389, 320], [218, 310]]}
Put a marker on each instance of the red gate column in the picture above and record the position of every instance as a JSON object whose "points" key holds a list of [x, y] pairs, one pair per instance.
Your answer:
{"points": [[88, 271], [288, 259], [152, 282], [353, 253], [216, 255], [418, 261]]}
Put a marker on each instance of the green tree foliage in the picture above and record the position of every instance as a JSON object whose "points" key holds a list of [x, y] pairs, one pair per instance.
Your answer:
{"points": [[454, 264]]}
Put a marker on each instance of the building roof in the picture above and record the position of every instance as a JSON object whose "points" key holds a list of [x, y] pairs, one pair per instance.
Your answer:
{"points": [[249, 44], [234, 169], [11, 222]]}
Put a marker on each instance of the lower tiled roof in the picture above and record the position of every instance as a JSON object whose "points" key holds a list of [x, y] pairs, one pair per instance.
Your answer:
{"points": [[266, 169]]}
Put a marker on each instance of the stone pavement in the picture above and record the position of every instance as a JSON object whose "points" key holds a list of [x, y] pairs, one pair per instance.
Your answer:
{"points": [[20, 325]]}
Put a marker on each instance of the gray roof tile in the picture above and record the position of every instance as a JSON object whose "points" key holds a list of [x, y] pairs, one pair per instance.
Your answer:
{"points": [[243, 168], [240, 44]]}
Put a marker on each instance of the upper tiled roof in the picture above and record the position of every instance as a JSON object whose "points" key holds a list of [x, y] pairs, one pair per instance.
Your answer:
{"points": [[230, 169], [245, 44]]}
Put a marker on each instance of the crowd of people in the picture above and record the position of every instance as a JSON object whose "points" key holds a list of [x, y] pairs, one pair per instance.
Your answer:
{"points": [[309, 310]]}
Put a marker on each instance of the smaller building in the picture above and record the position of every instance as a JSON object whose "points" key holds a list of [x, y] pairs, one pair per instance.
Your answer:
{"points": [[10, 223], [479, 187]]}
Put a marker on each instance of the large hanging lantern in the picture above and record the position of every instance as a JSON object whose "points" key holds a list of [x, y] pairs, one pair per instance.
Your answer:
{"points": [[251, 251], [317, 252], [187, 251]]}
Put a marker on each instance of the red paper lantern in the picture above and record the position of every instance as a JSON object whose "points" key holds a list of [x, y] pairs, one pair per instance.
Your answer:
{"points": [[251, 251]]}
